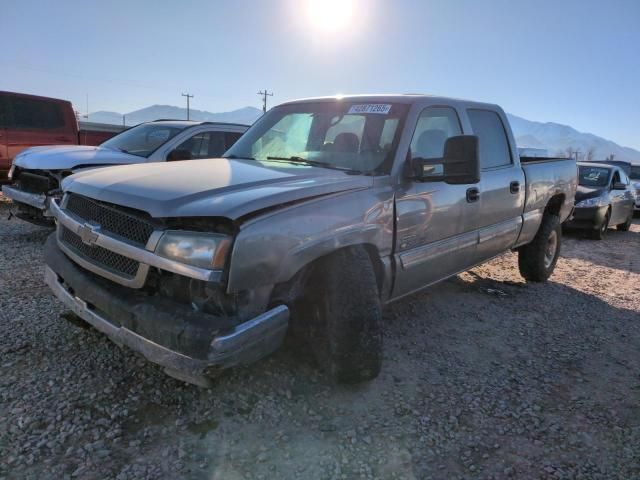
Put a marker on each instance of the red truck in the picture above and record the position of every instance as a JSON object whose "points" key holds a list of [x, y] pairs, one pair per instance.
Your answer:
{"points": [[31, 121]]}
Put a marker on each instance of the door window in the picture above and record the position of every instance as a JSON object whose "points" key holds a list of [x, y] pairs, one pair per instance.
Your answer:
{"points": [[204, 145], [29, 113], [623, 178], [492, 136], [230, 138], [616, 178], [435, 125]]}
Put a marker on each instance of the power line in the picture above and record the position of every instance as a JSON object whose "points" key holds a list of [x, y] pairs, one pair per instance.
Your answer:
{"points": [[188, 97], [264, 95]]}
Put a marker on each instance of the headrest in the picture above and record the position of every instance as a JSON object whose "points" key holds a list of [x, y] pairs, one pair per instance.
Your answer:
{"points": [[346, 142]]}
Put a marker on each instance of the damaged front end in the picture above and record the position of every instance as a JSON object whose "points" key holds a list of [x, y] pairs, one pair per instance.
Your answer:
{"points": [[104, 263], [31, 191]]}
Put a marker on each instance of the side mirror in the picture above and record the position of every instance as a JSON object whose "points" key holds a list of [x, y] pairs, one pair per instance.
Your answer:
{"points": [[619, 186], [459, 165], [178, 154]]}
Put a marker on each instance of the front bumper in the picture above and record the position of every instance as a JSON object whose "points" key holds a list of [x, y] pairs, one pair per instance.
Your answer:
{"points": [[190, 345], [589, 218], [35, 200]]}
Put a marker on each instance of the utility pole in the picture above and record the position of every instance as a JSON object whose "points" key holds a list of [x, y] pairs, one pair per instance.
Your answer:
{"points": [[188, 97], [264, 95], [576, 153], [124, 123]]}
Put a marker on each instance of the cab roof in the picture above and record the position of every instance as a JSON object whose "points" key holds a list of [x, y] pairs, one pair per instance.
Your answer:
{"points": [[192, 123], [407, 98]]}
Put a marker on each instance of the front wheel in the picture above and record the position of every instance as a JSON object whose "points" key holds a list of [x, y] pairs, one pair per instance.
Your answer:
{"points": [[624, 227], [538, 259], [342, 316], [600, 232]]}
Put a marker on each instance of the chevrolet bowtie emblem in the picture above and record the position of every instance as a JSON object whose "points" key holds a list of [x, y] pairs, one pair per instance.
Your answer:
{"points": [[87, 234]]}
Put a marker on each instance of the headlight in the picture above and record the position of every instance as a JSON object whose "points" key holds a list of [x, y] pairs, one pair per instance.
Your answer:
{"points": [[592, 202], [11, 170], [204, 250]]}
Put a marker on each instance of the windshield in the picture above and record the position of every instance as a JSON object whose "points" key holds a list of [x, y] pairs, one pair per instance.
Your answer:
{"points": [[593, 176], [634, 174], [144, 139], [353, 136]]}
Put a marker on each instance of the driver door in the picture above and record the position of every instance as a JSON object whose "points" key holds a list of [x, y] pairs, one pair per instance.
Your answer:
{"points": [[436, 229]]}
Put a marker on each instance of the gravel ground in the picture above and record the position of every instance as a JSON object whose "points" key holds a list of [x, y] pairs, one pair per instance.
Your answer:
{"points": [[484, 377]]}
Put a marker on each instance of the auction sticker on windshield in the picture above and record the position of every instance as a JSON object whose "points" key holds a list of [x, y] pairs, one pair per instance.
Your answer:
{"points": [[380, 108]]}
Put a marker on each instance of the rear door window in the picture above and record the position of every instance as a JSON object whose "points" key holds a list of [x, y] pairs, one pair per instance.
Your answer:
{"points": [[29, 113], [493, 142]]}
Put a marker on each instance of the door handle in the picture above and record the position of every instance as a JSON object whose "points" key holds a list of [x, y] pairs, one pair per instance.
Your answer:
{"points": [[473, 195], [61, 139], [514, 187]]}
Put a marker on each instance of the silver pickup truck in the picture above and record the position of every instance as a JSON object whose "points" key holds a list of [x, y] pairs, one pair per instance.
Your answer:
{"points": [[323, 212]]}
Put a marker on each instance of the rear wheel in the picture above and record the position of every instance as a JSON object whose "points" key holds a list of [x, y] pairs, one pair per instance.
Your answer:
{"points": [[601, 231], [624, 227], [538, 259], [342, 316]]}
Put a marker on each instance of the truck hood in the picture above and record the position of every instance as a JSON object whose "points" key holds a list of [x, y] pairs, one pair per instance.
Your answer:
{"points": [[65, 157], [216, 187], [583, 193]]}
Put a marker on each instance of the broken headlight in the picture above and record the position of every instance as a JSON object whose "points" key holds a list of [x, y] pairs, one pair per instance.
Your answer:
{"points": [[592, 202], [199, 249]]}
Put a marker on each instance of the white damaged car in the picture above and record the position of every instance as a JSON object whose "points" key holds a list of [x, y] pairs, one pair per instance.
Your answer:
{"points": [[36, 173]]}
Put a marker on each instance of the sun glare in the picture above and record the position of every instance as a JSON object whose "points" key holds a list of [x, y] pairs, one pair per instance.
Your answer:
{"points": [[329, 15]]}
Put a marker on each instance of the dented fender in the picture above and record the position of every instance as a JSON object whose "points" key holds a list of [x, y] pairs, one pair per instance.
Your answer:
{"points": [[272, 248]]}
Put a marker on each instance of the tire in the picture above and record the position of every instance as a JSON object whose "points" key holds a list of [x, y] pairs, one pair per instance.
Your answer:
{"points": [[342, 316], [538, 259], [600, 232], [624, 227]]}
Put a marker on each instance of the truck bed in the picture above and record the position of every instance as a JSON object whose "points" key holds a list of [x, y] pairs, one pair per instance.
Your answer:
{"points": [[546, 178], [544, 159]]}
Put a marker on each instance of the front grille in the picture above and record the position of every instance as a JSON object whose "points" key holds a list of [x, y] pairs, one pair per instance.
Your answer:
{"points": [[99, 256], [35, 182], [111, 219]]}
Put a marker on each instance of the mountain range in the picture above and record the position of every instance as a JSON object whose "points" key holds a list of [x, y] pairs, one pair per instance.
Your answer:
{"points": [[558, 138], [246, 115], [554, 137]]}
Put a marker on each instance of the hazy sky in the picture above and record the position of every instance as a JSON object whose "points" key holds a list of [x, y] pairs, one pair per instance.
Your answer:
{"points": [[573, 62]]}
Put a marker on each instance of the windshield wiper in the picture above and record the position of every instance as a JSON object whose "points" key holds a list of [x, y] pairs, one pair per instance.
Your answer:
{"points": [[232, 156], [313, 163]]}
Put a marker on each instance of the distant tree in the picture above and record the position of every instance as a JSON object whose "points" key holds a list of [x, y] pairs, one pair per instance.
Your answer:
{"points": [[590, 155], [611, 157]]}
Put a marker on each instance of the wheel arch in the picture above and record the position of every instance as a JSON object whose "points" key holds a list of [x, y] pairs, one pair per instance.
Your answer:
{"points": [[555, 203], [289, 289]]}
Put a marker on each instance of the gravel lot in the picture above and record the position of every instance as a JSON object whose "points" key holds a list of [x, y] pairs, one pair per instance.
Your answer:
{"points": [[484, 377]]}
